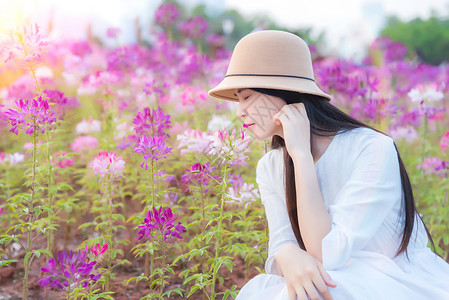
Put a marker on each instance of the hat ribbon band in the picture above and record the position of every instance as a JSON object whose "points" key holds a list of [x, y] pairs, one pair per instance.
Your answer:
{"points": [[271, 75]]}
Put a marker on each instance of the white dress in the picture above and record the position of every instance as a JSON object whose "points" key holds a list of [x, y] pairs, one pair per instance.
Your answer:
{"points": [[360, 183]]}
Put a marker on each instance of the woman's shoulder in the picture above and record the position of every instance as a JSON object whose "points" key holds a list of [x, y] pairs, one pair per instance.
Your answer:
{"points": [[270, 162], [365, 137]]}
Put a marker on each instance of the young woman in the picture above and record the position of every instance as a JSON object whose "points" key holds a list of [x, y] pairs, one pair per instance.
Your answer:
{"points": [[339, 204]]}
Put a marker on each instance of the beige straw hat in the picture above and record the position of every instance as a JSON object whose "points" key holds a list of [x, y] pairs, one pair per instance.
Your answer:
{"points": [[269, 59]]}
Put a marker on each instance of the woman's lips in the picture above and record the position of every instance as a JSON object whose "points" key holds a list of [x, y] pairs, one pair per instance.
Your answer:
{"points": [[247, 125]]}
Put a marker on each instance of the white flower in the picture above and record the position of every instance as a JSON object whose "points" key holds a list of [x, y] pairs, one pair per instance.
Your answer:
{"points": [[88, 126], [218, 122], [194, 140], [14, 158], [404, 132], [426, 93], [244, 194]]}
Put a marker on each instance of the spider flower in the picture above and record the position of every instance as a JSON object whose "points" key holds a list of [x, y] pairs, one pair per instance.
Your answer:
{"points": [[26, 44], [193, 140], [108, 162], [72, 270], [198, 174], [230, 147], [194, 27], [434, 165], [166, 14], [160, 222], [98, 250], [31, 115], [151, 122], [153, 148]]}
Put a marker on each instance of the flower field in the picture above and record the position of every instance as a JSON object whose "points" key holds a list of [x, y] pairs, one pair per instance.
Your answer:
{"points": [[121, 179]]}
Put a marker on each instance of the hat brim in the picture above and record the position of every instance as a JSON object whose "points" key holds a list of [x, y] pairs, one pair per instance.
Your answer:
{"points": [[226, 89]]}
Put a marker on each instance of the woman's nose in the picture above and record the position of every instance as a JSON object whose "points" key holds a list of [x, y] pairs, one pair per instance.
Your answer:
{"points": [[241, 111]]}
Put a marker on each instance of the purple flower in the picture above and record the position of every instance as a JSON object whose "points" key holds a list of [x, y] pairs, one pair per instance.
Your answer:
{"points": [[195, 27], [198, 174], [152, 122], [166, 14], [152, 147], [159, 222], [62, 103], [35, 109], [69, 269]]}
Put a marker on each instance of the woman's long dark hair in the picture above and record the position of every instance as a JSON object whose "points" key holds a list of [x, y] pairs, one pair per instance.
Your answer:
{"points": [[327, 120]]}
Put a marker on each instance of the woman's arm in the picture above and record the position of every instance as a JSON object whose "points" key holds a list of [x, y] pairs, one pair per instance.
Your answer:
{"points": [[313, 217]]}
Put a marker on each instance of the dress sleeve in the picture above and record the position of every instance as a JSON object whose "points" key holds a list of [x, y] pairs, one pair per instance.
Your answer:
{"points": [[280, 231], [364, 201]]}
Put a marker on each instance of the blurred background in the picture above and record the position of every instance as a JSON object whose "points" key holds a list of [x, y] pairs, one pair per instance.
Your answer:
{"points": [[342, 28]]}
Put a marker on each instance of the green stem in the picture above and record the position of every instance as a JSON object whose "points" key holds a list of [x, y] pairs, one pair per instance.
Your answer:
{"points": [[50, 195], [217, 241], [163, 266], [30, 210], [109, 234]]}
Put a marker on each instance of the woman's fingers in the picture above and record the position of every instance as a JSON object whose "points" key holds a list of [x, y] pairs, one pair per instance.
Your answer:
{"points": [[311, 291], [291, 293], [321, 287], [327, 279], [300, 292]]}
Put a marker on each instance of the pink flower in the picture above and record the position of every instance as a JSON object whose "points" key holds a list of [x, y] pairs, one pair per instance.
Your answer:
{"points": [[112, 32], [108, 163], [444, 143], [24, 45], [152, 122], [84, 143], [230, 147], [99, 250], [62, 161], [166, 14], [88, 126], [407, 132], [194, 141], [195, 27], [434, 165]]}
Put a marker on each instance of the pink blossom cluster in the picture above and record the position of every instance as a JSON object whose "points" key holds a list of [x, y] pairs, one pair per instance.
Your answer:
{"points": [[11, 159], [230, 147], [392, 51], [108, 163], [31, 115], [434, 165], [62, 161], [99, 249], [194, 28], [166, 14], [84, 143], [27, 44], [194, 141], [152, 122], [60, 102], [444, 142]]}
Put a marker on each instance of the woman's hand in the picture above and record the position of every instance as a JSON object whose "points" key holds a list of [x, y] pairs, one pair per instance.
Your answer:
{"points": [[296, 127], [305, 276]]}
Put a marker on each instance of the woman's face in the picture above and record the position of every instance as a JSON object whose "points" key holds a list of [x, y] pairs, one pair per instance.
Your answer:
{"points": [[258, 109]]}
